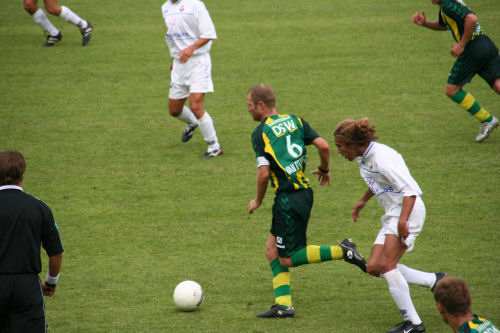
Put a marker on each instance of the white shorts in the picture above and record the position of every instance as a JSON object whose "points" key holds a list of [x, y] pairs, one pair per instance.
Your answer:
{"points": [[415, 225], [193, 76]]}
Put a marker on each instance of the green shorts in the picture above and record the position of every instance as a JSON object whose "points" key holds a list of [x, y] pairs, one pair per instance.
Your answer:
{"points": [[291, 211], [479, 57]]}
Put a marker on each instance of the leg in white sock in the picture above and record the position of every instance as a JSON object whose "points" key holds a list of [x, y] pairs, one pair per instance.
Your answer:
{"points": [[44, 22], [187, 116], [419, 278], [401, 294], [207, 129], [71, 17]]}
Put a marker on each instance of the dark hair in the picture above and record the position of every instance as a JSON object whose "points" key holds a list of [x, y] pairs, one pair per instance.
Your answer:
{"points": [[263, 93], [358, 132], [453, 294], [12, 166]]}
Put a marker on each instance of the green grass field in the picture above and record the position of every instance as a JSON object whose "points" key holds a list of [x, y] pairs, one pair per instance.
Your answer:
{"points": [[139, 211]]}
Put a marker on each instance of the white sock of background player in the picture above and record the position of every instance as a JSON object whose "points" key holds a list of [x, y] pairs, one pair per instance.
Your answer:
{"points": [[41, 18], [208, 130]]}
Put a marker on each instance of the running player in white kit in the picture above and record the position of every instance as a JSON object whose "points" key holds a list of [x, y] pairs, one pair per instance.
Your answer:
{"points": [[189, 36], [388, 178]]}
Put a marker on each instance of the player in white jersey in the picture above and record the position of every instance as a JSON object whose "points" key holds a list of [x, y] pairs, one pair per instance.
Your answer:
{"points": [[189, 36], [388, 178]]}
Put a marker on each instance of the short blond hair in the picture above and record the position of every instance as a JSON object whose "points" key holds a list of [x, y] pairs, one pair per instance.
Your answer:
{"points": [[263, 93]]}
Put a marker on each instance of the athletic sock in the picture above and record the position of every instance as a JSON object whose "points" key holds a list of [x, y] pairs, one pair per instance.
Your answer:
{"points": [[401, 294], [419, 278], [315, 254], [44, 22], [68, 15], [469, 104], [281, 284], [208, 131], [187, 116]]}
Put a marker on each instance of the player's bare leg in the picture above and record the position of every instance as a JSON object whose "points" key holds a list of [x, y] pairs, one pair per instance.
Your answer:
{"points": [[496, 85], [52, 7], [175, 106]]}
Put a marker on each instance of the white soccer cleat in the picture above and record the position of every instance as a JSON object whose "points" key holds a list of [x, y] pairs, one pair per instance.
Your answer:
{"points": [[212, 152], [486, 129]]}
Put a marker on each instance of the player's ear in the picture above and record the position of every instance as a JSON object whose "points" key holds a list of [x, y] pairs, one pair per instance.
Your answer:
{"points": [[440, 308]]}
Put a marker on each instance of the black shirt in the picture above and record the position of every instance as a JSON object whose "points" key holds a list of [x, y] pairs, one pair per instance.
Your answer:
{"points": [[25, 223]]}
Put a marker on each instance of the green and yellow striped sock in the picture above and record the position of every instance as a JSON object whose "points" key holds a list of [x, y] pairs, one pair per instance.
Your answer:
{"points": [[281, 284], [469, 104], [314, 254]]}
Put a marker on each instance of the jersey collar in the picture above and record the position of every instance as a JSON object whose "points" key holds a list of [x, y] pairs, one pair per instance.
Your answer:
{"points": [[11, 187], [369, 149]]}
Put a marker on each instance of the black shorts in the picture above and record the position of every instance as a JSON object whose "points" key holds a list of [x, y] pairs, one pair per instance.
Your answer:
{"points": [[479, 57], [21, 304], [291, 211]]}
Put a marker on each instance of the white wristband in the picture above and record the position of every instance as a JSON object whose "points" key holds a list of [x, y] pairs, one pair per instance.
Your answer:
{"points": [[52, 279]]}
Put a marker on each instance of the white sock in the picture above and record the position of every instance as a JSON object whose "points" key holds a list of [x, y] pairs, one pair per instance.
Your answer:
{"points": [[419, 278], [207, 129], [71, 17], [401, 294], [187, 116], [44, 22]]}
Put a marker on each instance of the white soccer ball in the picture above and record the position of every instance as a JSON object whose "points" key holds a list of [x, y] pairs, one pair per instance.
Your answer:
{"points": [[188, 295]]}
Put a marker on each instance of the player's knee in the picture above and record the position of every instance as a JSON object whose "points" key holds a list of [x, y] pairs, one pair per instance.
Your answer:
{"points": [[496, 86], [449, 92], [386, 267], [53, 10], [197, 108], [373, 269], [30, 7], [174, 110], [286, 262], [452, 89], [270, 253]]}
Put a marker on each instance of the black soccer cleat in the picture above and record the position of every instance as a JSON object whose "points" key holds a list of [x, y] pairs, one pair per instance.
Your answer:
{"points": [[278, 311], [52, 40], [188, 132], [351, 255], [212, 153], [408, 327], [86, 33], [439, 276]]}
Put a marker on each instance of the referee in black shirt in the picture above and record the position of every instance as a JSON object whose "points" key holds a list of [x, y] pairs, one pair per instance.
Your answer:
{"points": [[26, 223]]}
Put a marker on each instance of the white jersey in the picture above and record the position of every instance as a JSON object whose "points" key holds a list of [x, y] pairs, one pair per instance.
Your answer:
{"points": [[388, 177], [187, 21]]}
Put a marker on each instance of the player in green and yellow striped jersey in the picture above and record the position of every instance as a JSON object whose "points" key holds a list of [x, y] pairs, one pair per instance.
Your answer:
{"points": [[280, 143], [476, 54]]}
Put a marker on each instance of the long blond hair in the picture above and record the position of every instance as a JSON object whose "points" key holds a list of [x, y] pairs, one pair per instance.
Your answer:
{"points": [[359, 132]]}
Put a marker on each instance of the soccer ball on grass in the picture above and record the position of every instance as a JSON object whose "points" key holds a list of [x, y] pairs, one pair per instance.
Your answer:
{"points": [[188, 295]]}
